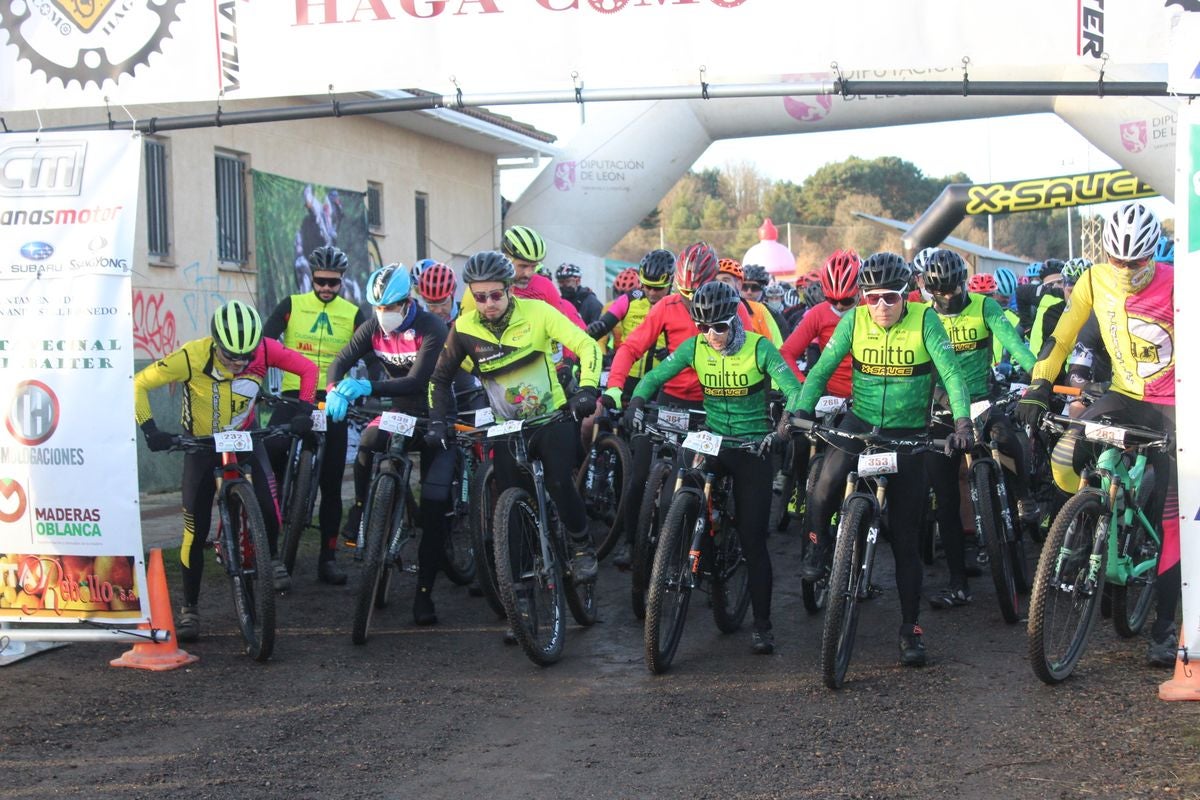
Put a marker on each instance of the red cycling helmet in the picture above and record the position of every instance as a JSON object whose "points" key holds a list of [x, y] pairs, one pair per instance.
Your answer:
{"points": [[696, 266], [981, 283], [437, 283], [626, 281], [839, 279]]}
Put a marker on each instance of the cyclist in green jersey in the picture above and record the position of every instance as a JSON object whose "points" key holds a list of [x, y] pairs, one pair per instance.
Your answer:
{"points": [[895, 346], [735, 368]]}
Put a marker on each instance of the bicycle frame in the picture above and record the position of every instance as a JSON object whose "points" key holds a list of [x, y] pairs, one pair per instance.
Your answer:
{"points": [[394, 466], [229, 473]]}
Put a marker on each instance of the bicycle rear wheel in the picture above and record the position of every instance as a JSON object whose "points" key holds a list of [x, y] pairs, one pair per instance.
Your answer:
{"points": [[531, 587], [841, 611], [602, 481], [459, 563], [1132, 601], [984, 477], [296, 509], [670, 588], [373, 579], [251, 572], [1061, 608], [731, 581], [483, 507], [649, 524]]}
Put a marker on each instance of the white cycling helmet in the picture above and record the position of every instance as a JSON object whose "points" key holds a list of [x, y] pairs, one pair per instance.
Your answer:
{"points": [[1132, 232]]}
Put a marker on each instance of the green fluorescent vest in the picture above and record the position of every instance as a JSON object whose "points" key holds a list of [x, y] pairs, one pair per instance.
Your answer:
{"points": [[1036, 339], [972, 340], [318, 331], [892, 369]]}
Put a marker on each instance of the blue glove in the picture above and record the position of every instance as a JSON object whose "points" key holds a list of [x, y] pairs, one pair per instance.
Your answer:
{"points": [[336, 406], [354, 388]]}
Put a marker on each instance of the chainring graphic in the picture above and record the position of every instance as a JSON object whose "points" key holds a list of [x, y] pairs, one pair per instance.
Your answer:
{"points": [[92, 64]]}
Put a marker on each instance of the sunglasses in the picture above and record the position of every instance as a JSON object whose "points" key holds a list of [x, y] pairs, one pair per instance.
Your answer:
{"points": [[843, 302], [327, 282], [752, 287], [233, 358], [888, 298], [716, 327], [944, 292], [1134, 264], [486, 297]]}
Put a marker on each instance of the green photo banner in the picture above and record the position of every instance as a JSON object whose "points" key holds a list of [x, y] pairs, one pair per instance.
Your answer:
{"points": [[291, 219]]}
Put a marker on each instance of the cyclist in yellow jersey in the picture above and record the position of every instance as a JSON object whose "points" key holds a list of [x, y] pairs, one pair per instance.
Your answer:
{"points": [[221, 375]]}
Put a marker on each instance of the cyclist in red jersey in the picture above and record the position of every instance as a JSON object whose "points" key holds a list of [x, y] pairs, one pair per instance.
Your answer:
{"points": [[839, 283]]}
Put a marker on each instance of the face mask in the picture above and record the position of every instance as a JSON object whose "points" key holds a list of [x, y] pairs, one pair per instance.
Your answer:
{"points": [[389, 320], [775, 305], [1133, 281], [568, 291]]}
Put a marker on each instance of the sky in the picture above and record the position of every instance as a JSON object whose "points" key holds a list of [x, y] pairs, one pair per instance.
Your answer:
{"points": [[991, 149]]}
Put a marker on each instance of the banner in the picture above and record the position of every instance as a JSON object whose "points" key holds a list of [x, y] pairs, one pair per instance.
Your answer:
{"points": [[291, 219], [62, 54], [1059, 192], [70, 530], [1187, 372]]}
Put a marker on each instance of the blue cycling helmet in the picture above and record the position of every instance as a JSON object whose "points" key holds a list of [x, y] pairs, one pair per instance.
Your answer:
{"points": [[1165, 251], [388, 285], [1006, 281], [1034, 270]]}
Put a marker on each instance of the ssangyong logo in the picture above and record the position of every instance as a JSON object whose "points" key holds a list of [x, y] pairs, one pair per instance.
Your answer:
{"points": [[42, 169], [37, 251], [1133, 136]]}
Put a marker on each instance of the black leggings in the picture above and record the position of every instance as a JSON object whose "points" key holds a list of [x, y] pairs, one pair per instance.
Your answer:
{"points": [[640, 448], [437, 473], [197, 491], [907, 492], [752, 505], [333, 467], [557, 446]]}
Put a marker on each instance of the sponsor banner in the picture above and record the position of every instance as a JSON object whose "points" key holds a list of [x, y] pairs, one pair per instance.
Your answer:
{"points": [[1187, 372], [1059, 192], [60, 54], [291, 219], [70, 531]]}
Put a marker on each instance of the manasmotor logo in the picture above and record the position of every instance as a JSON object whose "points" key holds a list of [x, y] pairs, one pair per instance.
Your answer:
{"points": [[42, 169], [37, 251]]}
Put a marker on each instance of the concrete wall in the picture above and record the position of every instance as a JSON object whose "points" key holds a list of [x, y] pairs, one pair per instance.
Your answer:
{"points": [[174, 297]]}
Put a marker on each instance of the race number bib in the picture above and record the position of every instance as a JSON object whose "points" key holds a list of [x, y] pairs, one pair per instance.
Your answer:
{"points": [[979, 408], [505, 428], [1099, 432], [705, 442], [876, 464], [395, 422], [829, 404], [233, 441], [673, 420], [318, 418], [484, 416]]}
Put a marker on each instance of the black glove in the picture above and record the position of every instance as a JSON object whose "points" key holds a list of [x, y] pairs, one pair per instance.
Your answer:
{"points": [[784, 429], [302, 423], [565, 372], [801, 414], [583, 402], [435, 435], [1034, 403], [963, 438], [635, 414], [157, 440]]}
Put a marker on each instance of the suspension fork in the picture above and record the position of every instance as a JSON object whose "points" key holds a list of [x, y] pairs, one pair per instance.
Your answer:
{"points": [[872, 542], [539, 490], [704, 526]]}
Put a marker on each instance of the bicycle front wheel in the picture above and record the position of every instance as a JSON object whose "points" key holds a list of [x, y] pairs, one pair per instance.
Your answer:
{"points": [[646, 535], [603, 483], [670, 582], [987, 499], [373, 579], [1066, 598], [841, 610], [531, 587], [296, 509], [251, 572]]}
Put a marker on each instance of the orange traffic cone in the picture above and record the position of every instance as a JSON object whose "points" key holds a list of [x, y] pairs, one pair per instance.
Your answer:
{"points": [[157, 656], [1186, 683]]}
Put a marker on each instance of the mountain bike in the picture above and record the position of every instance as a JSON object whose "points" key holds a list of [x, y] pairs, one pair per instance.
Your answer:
{"points": [[666, 427], [698, 550], [1101, 536], [241, 544], [533, 567], [828, 409], [862, 516], [298, 489], [603, 479]]}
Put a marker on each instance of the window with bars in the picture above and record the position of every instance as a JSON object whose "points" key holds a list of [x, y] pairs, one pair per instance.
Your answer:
{"points": [[232, 231], [422, 218], [158, 229], [374, 206]]}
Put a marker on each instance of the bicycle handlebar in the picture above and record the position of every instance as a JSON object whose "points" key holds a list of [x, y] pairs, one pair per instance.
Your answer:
{"points": [[188, 443], [921, 444], [1148, 437]]}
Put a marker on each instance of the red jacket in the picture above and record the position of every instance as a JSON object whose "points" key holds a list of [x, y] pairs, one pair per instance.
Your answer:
{"points": [[669, 316], [817, 325]]}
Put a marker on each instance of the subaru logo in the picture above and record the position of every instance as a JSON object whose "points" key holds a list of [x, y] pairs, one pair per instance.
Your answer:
{"points": [[37, 251]]}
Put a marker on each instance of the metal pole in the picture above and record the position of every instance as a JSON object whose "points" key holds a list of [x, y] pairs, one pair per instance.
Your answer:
{"points": [[1070, 237], [991, 241], [75, 634]]}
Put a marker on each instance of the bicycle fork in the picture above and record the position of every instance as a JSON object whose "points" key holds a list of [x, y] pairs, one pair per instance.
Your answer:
{"points": [[543, 517], [706, 525]]}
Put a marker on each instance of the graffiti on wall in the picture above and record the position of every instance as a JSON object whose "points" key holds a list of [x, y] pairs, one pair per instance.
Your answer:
{"points": [[207, 292], [154, 333]]}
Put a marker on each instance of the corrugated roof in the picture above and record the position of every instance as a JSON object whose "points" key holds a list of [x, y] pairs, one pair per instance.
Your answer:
{"points": [[492, 118], [950, 241]]}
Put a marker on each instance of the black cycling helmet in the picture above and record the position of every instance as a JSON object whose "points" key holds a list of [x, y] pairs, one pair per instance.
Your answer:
{"points": [[567, 270], [487, 266], [1052, 266], [715, 302], [884, 271], [328, 258], [754, 273], [657, 268], [944, 271], [814, 295]]}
